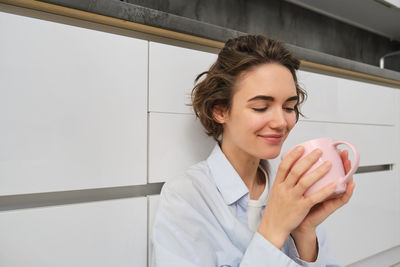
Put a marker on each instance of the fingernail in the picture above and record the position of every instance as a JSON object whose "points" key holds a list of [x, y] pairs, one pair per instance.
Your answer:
{"points": [[317, 152], [299, 149]]}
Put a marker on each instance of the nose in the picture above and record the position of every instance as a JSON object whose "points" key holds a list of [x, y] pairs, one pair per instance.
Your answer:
{"points": [[278, 120]]}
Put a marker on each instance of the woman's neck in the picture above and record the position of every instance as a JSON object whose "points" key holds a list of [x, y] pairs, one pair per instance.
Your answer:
{"points": [[245, 165]]}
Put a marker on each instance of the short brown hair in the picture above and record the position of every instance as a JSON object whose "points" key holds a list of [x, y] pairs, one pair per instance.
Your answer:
{"points": [[238, 55]]}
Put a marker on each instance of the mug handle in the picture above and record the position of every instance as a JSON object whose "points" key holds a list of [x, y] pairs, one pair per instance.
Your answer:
{"points": [[356, 159]]}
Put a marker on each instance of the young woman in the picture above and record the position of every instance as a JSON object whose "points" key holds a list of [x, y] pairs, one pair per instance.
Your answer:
{"points": [[227, 210]]}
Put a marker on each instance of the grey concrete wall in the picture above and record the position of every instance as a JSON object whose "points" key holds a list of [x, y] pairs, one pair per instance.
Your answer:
{"points": [[288, 22]]}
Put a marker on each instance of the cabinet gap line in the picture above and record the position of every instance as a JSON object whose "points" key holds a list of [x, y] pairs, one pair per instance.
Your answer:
{"points": [[36, 200]]}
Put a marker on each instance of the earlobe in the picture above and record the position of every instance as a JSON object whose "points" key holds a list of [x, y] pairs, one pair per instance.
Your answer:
{"points": [[219, 113]]}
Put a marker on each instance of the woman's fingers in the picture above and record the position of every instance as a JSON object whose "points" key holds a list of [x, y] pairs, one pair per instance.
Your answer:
{"points": [[287, 163], [349, 192], [336, 203], [346, 162], [302, 167], [344, 155], [321, 195], [310, 178], [347, 166]]}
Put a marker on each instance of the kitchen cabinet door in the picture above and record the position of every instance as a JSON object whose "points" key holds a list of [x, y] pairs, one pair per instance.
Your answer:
{"points": [[176, 141], [172, 71], [73, 107], [102, 233], [334, 99]]}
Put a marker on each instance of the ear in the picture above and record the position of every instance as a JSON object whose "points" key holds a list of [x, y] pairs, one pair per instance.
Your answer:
{"points": [[220, 113]]}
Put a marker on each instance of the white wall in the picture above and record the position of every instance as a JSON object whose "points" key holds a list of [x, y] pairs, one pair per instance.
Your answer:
{"points": [[76, 113]]}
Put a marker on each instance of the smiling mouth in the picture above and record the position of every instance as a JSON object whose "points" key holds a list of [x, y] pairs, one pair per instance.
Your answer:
{"points": [[272, 138]]}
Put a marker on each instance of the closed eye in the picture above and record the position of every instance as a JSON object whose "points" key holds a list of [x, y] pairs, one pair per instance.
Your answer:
{"points": [[264, 109], [289, 109], [260, 109]]}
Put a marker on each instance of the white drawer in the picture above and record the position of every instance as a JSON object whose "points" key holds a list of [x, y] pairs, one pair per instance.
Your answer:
{"points": [[101, 234], [369, 224], [374, 143]]}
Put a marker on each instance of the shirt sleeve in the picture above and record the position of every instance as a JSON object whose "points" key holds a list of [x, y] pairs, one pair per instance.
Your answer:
{"points": [[324, 258], [261, 252]]}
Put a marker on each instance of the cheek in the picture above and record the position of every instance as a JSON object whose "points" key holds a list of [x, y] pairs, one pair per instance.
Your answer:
{"points": [[241, 122], [257, 121], [247, 119], [291, 120]]}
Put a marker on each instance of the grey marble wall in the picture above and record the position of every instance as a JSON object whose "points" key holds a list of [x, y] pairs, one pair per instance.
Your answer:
{"points": [[285, 21]]}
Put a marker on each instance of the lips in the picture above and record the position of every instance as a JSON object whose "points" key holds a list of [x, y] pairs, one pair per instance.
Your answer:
{"points": [[272, 138]]}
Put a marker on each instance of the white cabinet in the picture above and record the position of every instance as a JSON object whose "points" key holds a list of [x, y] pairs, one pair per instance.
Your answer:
{"points": [[334, 99], [172, 71], [176, 141], [101, 234], [369, 224], [73, 107]]}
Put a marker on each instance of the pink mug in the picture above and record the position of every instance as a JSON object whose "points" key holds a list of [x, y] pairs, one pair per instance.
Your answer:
{"points": [[336, 173]]}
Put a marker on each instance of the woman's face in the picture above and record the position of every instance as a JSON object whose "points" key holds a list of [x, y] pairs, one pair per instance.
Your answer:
{"points": [[262, 111]]}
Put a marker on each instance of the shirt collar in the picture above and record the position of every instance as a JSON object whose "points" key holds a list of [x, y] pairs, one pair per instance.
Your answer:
{"points": [[226, 178]]}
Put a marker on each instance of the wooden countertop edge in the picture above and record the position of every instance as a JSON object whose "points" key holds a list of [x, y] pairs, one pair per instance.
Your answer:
{"points": [[83, 15]]}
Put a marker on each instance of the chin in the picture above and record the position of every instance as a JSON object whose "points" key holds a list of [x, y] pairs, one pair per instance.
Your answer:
{"points": [[270, 154]]}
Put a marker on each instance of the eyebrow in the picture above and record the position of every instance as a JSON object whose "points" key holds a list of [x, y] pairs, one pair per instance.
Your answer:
{"points": [[270, 98]]}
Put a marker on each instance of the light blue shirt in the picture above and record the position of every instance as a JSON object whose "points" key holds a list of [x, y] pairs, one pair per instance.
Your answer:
{"points": [[202, 221]]}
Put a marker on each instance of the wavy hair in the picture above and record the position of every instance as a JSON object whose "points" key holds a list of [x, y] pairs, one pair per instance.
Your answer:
{"points": [[238, 55]]}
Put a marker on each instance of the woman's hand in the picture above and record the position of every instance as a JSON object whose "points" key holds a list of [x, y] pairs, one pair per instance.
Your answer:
{"points": [[305, 234], [321, 211], [287, 207]]}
